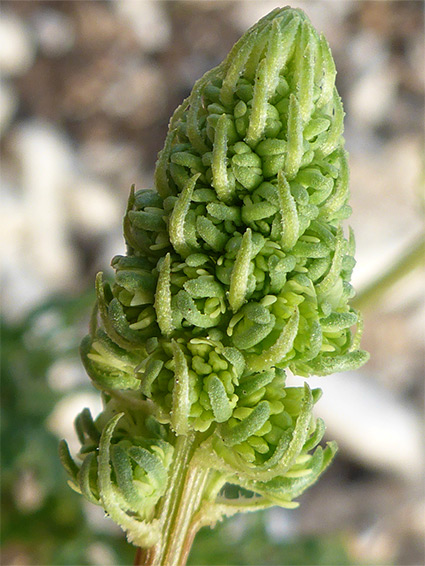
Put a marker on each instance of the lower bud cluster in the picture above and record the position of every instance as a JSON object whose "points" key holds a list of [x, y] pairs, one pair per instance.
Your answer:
{"points": [[126, 458]]}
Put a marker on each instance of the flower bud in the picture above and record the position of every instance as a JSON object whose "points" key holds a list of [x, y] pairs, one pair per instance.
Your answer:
{"points": [[237, 268]]}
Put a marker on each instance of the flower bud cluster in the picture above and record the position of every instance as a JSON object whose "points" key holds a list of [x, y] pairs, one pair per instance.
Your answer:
{"points": [[126, 474], [237, 268]]}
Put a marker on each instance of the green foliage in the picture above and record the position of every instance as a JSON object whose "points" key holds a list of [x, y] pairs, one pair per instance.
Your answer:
{"points": [[225, 546]]}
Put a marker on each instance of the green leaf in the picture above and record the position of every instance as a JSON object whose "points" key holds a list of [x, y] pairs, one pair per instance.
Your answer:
{"points": [[178, 216], [181, 404], [162, 302], [279, 349], [249, 426], [240, 271], [220, 180], [219, 400], [295, 139], [288, 214]]}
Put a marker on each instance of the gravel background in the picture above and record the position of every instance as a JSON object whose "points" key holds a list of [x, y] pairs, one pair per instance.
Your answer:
{"points": [[86, 92]]}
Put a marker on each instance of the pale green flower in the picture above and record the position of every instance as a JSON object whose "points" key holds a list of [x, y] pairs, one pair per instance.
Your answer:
{"points": [[237, 269]]}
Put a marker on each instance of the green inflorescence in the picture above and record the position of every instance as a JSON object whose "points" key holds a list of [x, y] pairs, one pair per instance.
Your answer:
{"points": [[237, 270]]}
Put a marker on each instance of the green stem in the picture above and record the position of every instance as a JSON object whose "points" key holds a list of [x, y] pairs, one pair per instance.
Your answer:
{"points": [[406, 263], [177, 508]]}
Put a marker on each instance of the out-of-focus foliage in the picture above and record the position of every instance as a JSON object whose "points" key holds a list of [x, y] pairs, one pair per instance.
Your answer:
{"points": [[221, 546], [43, 520]]}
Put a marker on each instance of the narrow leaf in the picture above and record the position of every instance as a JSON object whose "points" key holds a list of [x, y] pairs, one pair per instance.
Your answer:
{"points": [[220, 180], [279, 349], [162, 302], [240, 272], [219, 400], [67, 461], [84, 478], [177, 218], [247, 427], [334, 272], [295, 149], [180, 403], [288, 213]]}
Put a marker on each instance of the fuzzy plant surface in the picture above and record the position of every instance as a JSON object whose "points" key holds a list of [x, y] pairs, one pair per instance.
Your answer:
{"points": [[237, 271]]}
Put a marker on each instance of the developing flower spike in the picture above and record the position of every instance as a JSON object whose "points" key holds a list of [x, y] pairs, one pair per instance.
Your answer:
{"points": [[237, 270]]}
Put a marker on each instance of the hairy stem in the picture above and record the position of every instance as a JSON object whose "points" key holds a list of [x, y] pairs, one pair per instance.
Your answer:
{"points": [[176, 510]]}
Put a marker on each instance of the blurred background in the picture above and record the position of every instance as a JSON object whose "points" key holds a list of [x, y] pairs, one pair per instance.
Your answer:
{"points": [[86, 92]]}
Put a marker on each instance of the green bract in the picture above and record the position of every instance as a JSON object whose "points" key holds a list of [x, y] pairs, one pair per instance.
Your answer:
{"points": [[237, 269]]}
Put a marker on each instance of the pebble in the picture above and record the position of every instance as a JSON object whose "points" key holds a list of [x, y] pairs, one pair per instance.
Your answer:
{"points": [[148, 20], [54, 32], [17, 51], [372, 96], [93, 208], [45, 163], [139, 91]]}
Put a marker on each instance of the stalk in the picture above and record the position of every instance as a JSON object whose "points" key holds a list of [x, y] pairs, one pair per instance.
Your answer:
{"points": [[177, 508]]}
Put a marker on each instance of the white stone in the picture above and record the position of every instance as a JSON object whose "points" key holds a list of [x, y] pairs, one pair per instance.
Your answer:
{"points": [[101, 555], [246, 14], [17, 49], [138, 91], [37, 256], [45, 158], [105, 158], [54, 32], [29, 492], [22, 288], [280, 523], [372, 95], [367, 49], [99, 522], [149, 21], [389, 176], [322, 14], [93, 208]]}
